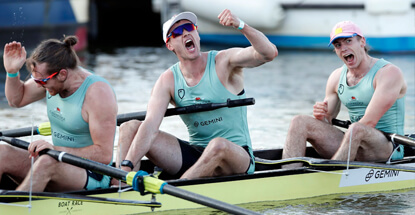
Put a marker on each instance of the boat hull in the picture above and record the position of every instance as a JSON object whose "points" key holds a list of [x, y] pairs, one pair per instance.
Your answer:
{"points": [[268, 184]]}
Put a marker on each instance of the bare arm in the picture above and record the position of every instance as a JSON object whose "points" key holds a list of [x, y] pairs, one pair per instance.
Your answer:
{"points": [[389, 85], [149, 129], [19, 93], [261, 51], [100, 111], [330, 107]]}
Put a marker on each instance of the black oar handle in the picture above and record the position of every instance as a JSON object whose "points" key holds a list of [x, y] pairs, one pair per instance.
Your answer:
{"points": [[20, 132], [121, 174], [72, 159], [188, 109], [396, 138]]}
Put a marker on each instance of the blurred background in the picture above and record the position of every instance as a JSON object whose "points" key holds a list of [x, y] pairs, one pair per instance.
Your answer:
{"points": [[122, 41], [296, 24]]}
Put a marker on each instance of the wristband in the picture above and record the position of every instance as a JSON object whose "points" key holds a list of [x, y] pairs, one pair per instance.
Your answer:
{"points": [[241, 25], [12, 75]]}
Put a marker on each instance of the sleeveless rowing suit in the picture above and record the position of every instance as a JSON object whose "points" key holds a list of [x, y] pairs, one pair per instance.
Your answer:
{"points": [[356, 99], [69, 129], [228, 123]]}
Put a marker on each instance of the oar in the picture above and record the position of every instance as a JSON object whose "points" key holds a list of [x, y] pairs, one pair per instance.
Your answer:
{"points": [[396, 138], [188, 109], [150, 184], [44, 128], [320, 163]]}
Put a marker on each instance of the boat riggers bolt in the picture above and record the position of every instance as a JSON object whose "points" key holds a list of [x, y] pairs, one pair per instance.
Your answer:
{"points": [[141, 181]]}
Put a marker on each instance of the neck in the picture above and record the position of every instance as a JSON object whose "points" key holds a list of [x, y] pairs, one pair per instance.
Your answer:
{"points": [[363, 68], [73, 81]]}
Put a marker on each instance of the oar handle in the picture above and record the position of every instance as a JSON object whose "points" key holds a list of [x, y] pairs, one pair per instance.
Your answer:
{"points": [[187, 109], [20, 132], [396, 138], [71, 159], [122, 175]]}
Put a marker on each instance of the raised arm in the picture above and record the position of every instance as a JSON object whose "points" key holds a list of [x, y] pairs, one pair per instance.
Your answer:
{"points": [[18, 93], [261, 51]]}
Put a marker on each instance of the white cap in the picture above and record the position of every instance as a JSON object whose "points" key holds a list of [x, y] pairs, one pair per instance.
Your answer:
{"points": [[184, 15]]}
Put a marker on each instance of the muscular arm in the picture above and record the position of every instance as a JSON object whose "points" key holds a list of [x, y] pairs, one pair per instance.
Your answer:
{"points": [[330, 107], [261, 51], [100, 111], [19, 93], [389, 85], [157, 105]]}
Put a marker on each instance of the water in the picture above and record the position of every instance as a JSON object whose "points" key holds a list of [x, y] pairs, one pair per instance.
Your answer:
{"points": [[288, 86]]}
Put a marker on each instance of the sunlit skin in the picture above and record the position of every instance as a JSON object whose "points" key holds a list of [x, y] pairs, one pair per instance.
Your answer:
{"points": [[221, 156]]}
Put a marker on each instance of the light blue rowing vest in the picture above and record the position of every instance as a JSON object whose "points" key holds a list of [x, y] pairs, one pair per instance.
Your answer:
{"points": [[356, 99]]}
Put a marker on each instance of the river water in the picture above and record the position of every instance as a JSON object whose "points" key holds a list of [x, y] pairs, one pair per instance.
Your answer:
{"points": [[283, 88]]}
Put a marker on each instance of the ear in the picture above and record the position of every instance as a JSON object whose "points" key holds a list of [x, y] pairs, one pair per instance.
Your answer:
{"points": [[169, 46], [363, 41], [63, 74]]}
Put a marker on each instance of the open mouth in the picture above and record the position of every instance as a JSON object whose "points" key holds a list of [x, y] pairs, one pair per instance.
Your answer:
{"points": [[348, 57], [189, 44]]}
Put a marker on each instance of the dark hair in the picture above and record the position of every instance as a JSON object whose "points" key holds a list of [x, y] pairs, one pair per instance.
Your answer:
{"points": [[57, 54]]}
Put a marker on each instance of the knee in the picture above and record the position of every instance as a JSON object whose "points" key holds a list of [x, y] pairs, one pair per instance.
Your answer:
{"points": [[217, 147], [356, 128], [300, 121], [356, 131], [130, 126], [45, 162]]}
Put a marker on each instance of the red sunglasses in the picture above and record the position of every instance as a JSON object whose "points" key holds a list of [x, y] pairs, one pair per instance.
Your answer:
{"points": [[179, 30], [43, 81]]}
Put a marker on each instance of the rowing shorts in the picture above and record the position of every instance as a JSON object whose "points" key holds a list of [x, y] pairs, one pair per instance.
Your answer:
{"points": [[191, 153], [397, 153], [96, 181]]}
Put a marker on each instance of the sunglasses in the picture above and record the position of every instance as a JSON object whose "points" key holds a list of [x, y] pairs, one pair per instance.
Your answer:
{"points": [[179, 30], [43, 81]]}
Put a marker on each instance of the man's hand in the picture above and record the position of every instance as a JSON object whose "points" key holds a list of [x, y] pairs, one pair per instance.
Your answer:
{"points": [[14, 57], [226, 18], [320, 110]]}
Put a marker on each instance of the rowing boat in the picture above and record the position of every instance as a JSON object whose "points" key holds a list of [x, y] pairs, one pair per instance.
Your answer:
{"points": [[317, 177]]}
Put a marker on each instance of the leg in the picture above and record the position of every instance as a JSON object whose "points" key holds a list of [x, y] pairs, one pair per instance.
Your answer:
{"points": [[128, 130], [221, 157], [323, 137], [14, 161], [367, 144], [55, 176], [165, 152]]}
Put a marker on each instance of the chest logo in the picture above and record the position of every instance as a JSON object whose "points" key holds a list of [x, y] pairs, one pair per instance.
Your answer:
{"points": [[181, 93], [341, 89]]}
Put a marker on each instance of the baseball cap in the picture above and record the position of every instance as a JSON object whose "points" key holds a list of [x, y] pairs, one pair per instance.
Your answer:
{"points": [[184, 15], [344, 29]]}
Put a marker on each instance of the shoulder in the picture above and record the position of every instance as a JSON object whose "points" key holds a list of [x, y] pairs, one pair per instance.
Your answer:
{"points": [[334, 78], [390, 73], [335, 75]]}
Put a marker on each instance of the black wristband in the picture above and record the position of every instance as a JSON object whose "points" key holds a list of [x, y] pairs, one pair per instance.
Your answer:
{"points": [[127, 163]]}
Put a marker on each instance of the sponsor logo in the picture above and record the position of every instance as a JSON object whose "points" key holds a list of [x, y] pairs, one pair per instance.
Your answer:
{"points": [[354, 101], [379, 174], [207, 122], [56, 113], [63, 137]]}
